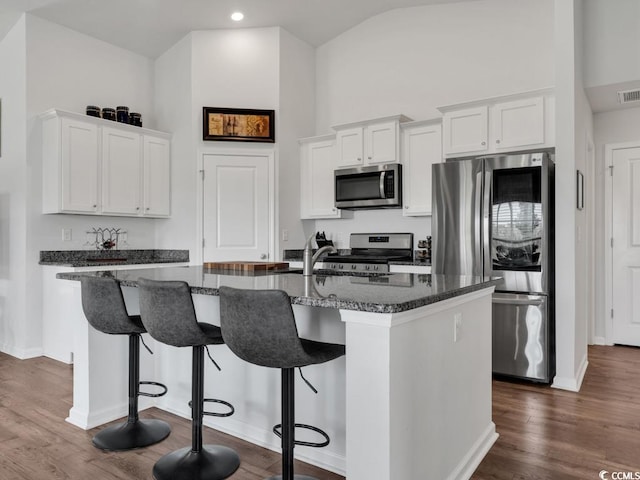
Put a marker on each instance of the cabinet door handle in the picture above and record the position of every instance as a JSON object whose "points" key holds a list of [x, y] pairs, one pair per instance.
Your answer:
{"points": [[359, 159], [484, 143], [147, 209], [497, 141], [406, 207]]}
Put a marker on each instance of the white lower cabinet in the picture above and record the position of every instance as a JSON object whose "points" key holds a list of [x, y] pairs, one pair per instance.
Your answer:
{"points": [[421, 148], [95, 166], [317, 185]]}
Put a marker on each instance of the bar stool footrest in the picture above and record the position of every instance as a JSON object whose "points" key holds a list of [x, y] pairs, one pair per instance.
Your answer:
{"points": [[155, 384], [277, 430], [231, 411]]}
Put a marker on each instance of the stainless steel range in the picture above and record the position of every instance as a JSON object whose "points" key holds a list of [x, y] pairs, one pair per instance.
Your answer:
{"points": [[372, 252]]}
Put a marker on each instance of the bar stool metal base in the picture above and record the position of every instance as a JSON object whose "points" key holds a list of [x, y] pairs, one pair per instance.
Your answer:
{"points": [[213, 462], [130, 435]]}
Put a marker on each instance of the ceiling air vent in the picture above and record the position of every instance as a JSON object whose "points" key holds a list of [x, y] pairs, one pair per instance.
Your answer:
{"points": [[627, 96]]}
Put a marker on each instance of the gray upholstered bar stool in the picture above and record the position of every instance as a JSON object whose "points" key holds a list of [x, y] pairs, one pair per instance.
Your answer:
{"points": [[259, 326], [169, 316], [104, 307]]}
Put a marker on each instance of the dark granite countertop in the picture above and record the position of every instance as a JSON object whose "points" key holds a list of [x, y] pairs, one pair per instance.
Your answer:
{"points": [[92, 258], [378, 293], [417, 263], [296, 256]]}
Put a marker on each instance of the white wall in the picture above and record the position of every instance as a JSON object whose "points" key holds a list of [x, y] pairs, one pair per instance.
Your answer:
{"points": [[53, 66], [13, 196], [263, 68], [574, 131], [224, 68], [173, 80], [613, 42], [413, 60], [296, 120], [610, 127], [69, 70]]}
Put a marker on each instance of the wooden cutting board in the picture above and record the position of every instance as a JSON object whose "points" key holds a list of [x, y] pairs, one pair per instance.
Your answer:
{"points": [[246, 266]]}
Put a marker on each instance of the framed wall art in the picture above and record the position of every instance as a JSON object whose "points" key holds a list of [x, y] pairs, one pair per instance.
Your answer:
{"points": [[238, 124]]}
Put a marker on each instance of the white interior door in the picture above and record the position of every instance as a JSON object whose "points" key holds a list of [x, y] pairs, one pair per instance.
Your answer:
{"points": [[237, 207], [626, 246]]}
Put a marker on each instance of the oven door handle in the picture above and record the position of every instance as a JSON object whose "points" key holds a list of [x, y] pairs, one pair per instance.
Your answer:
{"points": [[382, 177]]}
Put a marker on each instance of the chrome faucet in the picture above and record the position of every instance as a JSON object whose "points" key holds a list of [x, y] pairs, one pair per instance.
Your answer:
{"points": [[309, 259]]}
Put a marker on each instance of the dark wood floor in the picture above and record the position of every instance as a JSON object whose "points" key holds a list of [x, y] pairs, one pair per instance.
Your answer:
{"points": [[544, 433], [547, 433]]}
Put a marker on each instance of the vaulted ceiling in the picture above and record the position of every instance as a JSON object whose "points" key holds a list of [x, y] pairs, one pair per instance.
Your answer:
{"points": [[150, 27]]}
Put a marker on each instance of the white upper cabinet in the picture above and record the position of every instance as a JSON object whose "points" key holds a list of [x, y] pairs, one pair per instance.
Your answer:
{"points": [[421, 148], [95, 166], [70, 166], [502, 124], [121, 170], [350, 147], [317, 186], [370, 142], [157, 176], [466, 130]]}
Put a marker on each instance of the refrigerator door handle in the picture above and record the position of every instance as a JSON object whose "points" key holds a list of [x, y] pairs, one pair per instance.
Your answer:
{"points": [[519, 299], [486, 220], [478, 244]]}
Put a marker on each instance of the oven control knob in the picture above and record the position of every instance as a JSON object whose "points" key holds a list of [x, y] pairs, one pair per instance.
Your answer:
{"points": [[353, 267], [341, 267], [375, 267], [367, 267]]}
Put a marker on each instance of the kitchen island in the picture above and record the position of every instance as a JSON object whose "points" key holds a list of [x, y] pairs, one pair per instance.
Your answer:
{"points": [[410, 400]]}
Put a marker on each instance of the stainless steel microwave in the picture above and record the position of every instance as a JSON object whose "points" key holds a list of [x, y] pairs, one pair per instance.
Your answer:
{"points": [[378, 186]]}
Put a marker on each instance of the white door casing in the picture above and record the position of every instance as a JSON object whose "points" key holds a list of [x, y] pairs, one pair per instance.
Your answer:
{"points": [[624, 259], [238, 221]]}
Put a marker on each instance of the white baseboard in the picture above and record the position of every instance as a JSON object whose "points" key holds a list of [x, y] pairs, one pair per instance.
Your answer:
{"points": [[474, 456], [572, 384], [85, 421], [21, 353], [599, 341]]}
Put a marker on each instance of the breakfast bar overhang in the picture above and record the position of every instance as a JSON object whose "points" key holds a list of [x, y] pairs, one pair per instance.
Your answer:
{"points": [[411, 399]]}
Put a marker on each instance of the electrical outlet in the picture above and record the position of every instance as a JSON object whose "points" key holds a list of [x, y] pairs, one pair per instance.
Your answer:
{"points": [[457, 326], [66, 234], [285, 235]]}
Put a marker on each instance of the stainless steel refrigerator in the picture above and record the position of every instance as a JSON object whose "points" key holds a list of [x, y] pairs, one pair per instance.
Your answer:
{"points": [[494, 216]]}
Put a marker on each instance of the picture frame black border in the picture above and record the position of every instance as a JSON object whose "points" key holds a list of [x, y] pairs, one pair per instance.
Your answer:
{"points": [[207, 136]]}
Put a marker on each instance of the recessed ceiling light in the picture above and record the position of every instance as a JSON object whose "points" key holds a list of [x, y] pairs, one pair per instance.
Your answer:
{"points": [[237, 16]]}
